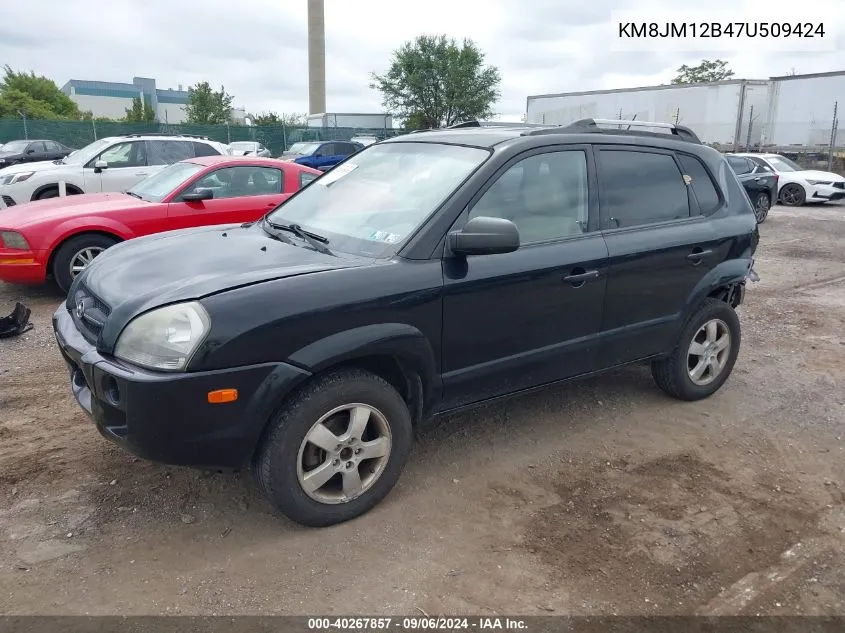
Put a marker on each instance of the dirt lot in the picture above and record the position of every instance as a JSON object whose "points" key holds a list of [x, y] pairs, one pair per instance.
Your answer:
{"points": [[599, 497]]}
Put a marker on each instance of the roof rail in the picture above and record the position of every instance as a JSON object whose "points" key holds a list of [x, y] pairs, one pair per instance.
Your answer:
{"points": [[592, 126], [139, 134], [505, 124]]}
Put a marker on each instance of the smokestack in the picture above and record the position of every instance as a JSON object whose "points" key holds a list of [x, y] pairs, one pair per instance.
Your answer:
{"points": [[316, 57]]}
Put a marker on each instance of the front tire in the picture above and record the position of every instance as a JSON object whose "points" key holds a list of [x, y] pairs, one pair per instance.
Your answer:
{"points": [[335, 449], [793, 195], [75, 254], [704, 356]]}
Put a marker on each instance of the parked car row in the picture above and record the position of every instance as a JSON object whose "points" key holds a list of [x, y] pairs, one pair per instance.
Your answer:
{"points": [[61, 236], [770, 178]]}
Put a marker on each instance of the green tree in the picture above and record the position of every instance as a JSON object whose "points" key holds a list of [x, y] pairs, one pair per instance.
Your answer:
{"points": [[140, 112], [208, 106], [705, 72], [267, 119], [37, 97], [434, 81]]}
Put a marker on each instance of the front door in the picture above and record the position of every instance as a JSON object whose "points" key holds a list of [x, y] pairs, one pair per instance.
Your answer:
{"points": [[241, 194], [653, 211], [126, 165], [518, 320]]}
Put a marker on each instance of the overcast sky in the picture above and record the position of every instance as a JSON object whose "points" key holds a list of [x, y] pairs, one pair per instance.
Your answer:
{"points": [[258, 48]]}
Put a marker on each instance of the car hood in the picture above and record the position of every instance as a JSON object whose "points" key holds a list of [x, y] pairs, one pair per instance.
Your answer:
{"points": [[148, 272], [7, 154], [54, 209], [41, 165], [812, 174]]}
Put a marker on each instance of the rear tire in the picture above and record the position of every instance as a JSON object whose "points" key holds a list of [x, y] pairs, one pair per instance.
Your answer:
{"points": [[761, 207], [334, 481], [709, 344], [74, 252]]}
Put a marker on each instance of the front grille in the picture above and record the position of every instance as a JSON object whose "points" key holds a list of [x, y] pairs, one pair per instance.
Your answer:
{"points": [[839, 185], [7, 200], [94, 313]]}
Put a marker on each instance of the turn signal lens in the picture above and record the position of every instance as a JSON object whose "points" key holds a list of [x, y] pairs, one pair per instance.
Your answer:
{"points": [[221, 396]]}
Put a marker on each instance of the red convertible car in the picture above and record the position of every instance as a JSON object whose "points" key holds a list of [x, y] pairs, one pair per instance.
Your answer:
{"points": [[60, 236]]}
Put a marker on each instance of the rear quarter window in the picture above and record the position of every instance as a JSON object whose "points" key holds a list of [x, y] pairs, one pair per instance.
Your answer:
{"points": [[306, 178], [702, 184]]}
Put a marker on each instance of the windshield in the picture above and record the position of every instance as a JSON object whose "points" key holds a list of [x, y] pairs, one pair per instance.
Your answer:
{"points": [[244, 145], [781, 163], [374, 201], [82, 156], [14, 146], [156, 187], [303, 148]]}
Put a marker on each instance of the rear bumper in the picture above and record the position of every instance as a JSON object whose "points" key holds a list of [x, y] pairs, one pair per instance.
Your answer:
{"points": [[167, 417]]}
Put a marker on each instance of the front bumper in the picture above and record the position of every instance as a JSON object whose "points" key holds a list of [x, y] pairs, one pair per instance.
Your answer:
{"points": [[827, 193], [167, 417], [21, 267]]}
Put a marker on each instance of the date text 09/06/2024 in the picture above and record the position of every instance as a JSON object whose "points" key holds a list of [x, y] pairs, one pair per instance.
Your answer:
{"points": [[428, 623], [634, 30]]}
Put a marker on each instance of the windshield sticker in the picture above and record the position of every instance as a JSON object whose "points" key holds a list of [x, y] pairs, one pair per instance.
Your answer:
{"points": [[384, 236], [336, 174]]}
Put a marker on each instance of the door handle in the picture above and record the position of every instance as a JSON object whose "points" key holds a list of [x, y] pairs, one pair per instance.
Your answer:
{"points": [[579, 278], [698, 254], [142, 173]]}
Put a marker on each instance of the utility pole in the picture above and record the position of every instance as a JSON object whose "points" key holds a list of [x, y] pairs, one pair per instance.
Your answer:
{"points": [[25, 131], [833, 128]]}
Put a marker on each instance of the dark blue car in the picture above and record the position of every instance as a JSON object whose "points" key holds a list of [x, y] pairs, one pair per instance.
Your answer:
{"points": [[322, 155]]}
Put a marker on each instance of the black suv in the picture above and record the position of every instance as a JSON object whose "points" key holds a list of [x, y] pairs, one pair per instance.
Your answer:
{"points": [[425, 274]]}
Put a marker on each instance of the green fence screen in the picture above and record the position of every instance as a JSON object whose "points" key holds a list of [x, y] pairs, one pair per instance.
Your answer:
{"points": [[277, 139]]}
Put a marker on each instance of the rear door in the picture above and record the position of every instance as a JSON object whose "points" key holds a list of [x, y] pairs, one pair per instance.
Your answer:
{"points": [[518, 320], [329, 156], [660, 246], [241, 194]]}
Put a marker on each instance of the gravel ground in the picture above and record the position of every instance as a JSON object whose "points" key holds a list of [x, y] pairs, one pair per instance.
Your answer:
{"points": [[598, 497]]}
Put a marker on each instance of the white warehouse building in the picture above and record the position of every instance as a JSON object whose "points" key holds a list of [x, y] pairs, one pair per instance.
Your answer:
{"points": [[795, 110]]}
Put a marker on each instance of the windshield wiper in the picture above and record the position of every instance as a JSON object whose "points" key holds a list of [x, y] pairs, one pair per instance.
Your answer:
{"points": [[134, 195], [317, 241]]}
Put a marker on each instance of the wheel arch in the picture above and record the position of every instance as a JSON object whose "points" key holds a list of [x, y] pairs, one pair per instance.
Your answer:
{"points": [[71, 189], [69, 236]]}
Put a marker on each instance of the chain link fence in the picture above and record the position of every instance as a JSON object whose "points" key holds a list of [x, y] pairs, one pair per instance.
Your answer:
{"points": [[276, 138]]}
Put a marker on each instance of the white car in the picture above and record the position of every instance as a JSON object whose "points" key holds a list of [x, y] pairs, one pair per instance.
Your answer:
{"points": [[109, 164], [364, 140], [247, 148], [797, 186]]}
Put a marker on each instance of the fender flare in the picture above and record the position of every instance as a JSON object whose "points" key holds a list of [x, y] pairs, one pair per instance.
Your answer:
{"points": [[726, 274], [400, 341]]}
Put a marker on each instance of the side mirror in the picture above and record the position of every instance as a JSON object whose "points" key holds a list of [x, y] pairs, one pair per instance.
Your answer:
{"points": [[485, 236], [30, 151], [198, 195], [99, 166]]}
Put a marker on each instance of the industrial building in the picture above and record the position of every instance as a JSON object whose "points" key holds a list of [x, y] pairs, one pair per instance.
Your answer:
{"points": [[111, 100], [779, 112]]}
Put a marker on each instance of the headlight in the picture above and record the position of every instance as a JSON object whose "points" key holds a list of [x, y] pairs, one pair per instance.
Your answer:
{"points": [[819, 182], [12, 179], [165, 338], [13, 239]]}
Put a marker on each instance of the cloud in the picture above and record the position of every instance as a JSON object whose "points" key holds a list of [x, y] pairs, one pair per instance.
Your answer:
{"points": [[257, 49]]}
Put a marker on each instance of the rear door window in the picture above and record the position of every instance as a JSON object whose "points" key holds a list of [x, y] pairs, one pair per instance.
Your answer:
{"points": [[168, 152], [640, 187]]}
